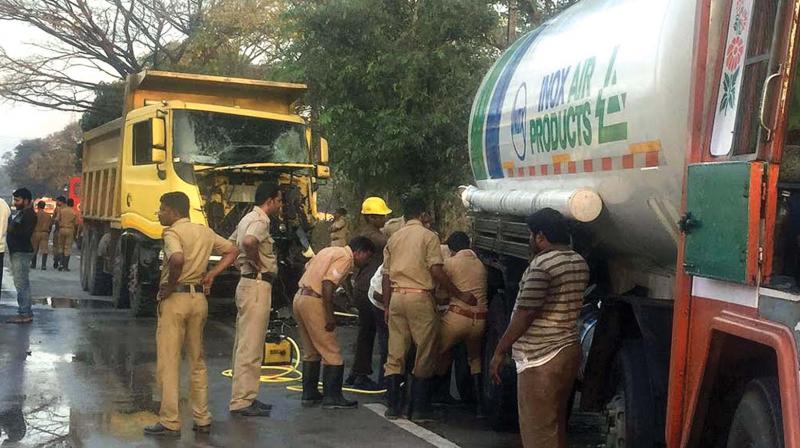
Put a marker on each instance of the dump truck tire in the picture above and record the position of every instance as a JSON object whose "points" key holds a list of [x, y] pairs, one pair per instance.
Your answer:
{"points": [[142, 297], [98, 281]]}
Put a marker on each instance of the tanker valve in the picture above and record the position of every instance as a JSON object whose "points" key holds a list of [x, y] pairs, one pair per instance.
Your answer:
{"points": [[688, 222]]}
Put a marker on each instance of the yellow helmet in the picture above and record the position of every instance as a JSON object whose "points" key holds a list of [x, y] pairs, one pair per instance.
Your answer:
{"points": [[374, 206]]}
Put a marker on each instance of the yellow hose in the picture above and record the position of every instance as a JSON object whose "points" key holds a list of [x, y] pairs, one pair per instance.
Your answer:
{"points": [[284, 372]]}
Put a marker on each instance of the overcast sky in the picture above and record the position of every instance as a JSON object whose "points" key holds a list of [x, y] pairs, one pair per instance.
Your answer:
{"points": [[20, 121]]}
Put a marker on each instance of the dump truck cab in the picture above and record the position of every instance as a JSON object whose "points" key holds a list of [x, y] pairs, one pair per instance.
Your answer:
{"points": [[214, 139]]}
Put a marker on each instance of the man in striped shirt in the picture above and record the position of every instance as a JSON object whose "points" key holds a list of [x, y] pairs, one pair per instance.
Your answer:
{"points": [[543, 332]]}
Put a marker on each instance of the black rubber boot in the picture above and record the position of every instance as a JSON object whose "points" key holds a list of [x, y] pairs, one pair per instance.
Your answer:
{"points": [[393, 396], [440, 386], [332, 377], [311, 395], [65, 263], [55, 260], [33, 262], [60, 263], [477, 391], [421, 400], [44, 262]]}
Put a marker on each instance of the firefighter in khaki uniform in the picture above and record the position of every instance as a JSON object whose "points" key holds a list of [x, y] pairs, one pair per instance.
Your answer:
{"points": [[182, 311], [462, 322], [258, 265], [412, 265], [41, 235], [67, 223], [313, 310]]}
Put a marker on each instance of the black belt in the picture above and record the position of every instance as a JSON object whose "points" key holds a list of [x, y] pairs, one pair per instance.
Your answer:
{"points": [[268, 277], [189, 288]]}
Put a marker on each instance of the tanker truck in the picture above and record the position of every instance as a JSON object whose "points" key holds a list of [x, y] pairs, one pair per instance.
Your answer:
{"points": [[666, 132], [213, 138]]}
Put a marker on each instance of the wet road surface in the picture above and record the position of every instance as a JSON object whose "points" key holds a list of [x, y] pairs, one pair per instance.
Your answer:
{"points": [[83, 375]]}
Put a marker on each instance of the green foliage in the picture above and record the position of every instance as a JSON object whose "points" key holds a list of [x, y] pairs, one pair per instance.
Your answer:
{"points": [[44, 165], [107, 105], [394, 82]]}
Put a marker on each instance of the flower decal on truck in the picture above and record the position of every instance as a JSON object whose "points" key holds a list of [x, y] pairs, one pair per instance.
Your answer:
{"points": [[728, 100], [734, 53]]}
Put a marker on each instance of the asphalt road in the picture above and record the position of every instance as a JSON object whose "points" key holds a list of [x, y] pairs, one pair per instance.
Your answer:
{"points": [[83, 375]]}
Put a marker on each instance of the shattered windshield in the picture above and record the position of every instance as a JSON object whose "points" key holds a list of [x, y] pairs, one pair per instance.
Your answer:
{"points": [[211, 138]]}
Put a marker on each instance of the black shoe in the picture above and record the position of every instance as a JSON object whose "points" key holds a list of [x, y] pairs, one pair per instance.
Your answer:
{"points": [[477, 391], [393, 397], [364, 382], [311, 395], [253, 410], [266, 406], [202, 429], [44, 262], [332, 377], [65, 263], [55, 261], [441, 391], [351, 378], [421, 401], [160, 430]]}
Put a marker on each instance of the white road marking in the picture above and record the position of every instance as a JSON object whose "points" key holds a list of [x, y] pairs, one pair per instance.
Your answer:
{"points": [[411, 427]]}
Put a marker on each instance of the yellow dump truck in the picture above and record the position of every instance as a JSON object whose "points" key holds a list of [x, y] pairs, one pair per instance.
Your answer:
{"points": [[214, 139]]}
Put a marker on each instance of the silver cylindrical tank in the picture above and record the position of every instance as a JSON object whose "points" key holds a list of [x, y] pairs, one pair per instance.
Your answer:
{"points": [[595, 99]]}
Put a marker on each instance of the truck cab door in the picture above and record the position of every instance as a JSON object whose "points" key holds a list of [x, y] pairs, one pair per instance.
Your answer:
{"points": [[143, 181], [723, 201]]}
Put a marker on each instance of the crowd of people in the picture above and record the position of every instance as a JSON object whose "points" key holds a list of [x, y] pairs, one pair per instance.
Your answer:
{"points": [[416, 296], [26, 234]]}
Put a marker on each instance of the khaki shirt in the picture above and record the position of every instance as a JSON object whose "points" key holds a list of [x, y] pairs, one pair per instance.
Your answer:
{"points": [[43, 222], [468, 274], [255, 224], [409, 256], [339, 232], [439, 292], [332, 264], [67, 218], [197, 242], [393, 225]]}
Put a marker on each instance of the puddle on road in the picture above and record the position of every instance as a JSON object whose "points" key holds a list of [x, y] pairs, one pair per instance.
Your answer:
{"points": [[66, 302]]}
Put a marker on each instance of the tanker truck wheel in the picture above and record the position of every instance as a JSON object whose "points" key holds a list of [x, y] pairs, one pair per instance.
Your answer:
{"points": [[758, 420], [629, 412], [500, 400], [142, 296]]}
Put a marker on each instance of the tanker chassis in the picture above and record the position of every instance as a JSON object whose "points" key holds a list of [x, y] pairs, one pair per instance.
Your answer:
{"points": [[680, 172]]}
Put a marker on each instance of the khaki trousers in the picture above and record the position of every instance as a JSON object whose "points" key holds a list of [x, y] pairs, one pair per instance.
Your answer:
{"points": [[457, 328], [181, 319], [542, 395], [309, 312], [39, 241], [254, 302], [65, 239], [412, 319]]}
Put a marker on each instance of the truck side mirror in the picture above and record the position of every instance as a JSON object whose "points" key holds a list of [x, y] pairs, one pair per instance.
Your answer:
{"points": [[159, 155], [159, 127], [324, 157]]}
